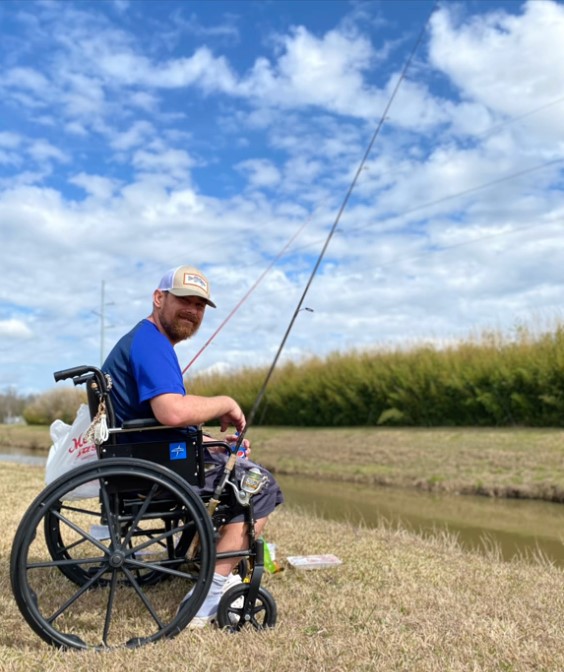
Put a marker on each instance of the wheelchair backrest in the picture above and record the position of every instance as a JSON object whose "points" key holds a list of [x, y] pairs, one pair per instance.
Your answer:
{"points": [[179, 449]]}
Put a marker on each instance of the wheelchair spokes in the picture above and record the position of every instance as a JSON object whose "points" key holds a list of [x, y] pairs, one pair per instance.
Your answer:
{"points": [[116, 553], [235, 612], [137, 544]]}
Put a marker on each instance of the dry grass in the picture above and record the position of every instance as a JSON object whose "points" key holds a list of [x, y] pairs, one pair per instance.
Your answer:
{"points": [[30, 437], [524, 463], [398, 602]]}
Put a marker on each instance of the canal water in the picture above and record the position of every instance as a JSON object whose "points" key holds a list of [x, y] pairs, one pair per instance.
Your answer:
{"points": [[523, 528]]}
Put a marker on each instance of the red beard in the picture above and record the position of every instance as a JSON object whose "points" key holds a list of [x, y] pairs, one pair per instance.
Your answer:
{"points": [[181, 327]]}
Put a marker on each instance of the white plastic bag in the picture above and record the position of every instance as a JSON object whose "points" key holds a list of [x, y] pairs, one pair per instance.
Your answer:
{"points": [[71, 449]]}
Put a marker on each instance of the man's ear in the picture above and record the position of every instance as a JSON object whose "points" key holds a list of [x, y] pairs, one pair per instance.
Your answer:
{"points": [[158, 298]]}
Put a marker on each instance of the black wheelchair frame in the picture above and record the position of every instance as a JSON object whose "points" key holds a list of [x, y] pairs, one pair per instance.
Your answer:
{"points": [[142, 552]]}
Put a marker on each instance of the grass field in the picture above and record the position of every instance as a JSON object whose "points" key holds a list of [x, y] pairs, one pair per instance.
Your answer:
{"points": [[527, 463], [398, 602], [33, 437]]}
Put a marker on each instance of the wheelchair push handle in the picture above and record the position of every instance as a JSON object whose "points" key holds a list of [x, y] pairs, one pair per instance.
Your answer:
{"points": [[81, 374]]}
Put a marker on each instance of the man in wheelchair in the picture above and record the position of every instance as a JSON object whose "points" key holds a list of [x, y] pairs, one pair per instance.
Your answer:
{"points": [[147, 382]]}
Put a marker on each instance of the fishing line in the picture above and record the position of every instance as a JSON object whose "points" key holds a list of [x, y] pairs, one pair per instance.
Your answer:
{"points": [[359, 170], [466, 192], [245, 297], [230, 464], [362, 227], [438, 201]]}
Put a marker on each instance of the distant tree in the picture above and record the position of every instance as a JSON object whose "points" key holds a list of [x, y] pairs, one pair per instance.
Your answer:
{"points": [[56, 404], [12, 404]]}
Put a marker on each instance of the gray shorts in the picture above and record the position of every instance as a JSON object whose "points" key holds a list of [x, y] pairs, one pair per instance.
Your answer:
{"points": [[264, 502]]}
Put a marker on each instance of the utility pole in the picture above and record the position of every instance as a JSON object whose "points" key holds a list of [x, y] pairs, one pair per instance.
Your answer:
{"points": [[102, 316], [102, 321]]}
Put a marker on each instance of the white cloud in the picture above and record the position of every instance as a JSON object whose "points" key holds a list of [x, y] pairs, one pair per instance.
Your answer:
{"points": [[326, 72], [25, 78], [260, 172], [144, 101], [121, 5], [307, 70], [211, 153], [193, 26], [10, 158], [136, 134], [82, 96], [508, 62], [43, 150], [76, 128], [14, 329], [9, 140], [128, 68], [98, 186], [163, 160]]}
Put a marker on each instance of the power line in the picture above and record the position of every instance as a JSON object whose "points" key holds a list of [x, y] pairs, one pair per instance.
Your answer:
{"points": [[346, 199]]}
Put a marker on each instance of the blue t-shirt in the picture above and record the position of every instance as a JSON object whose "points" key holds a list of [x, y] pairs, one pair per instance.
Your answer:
{"points": [[142, 365]]}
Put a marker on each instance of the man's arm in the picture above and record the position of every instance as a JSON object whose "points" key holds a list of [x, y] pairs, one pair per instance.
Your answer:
{"points": [[179, 410]]}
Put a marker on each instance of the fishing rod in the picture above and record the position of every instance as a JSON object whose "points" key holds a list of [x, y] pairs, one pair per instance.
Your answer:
{"points": [[230, 464]]}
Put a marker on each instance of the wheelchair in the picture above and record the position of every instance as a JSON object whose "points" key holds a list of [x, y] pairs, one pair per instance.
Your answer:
{"points": [[133, 564]]}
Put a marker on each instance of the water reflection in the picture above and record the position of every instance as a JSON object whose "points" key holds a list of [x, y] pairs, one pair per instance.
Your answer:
{"points": [[16, 455], [515, 527]]}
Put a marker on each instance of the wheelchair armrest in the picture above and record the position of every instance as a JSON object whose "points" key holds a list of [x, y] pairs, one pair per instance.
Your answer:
{"points": [[141, 423], [217, 444]]}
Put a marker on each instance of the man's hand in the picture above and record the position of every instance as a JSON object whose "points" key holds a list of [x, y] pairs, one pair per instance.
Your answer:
{"points": [[233, 418]]}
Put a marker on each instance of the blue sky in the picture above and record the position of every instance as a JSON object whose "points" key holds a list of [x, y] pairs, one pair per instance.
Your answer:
{"points": [[137, 135]]}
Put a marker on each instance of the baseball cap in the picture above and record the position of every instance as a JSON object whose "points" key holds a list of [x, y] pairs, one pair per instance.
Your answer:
{"points": [[186, 281]]}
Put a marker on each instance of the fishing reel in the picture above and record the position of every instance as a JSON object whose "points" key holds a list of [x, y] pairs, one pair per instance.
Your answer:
{"points": [[251, 483]]}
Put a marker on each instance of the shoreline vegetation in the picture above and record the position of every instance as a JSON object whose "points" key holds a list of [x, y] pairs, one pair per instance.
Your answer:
{"points": [[512, 463], [494, 379], [398, 602]]}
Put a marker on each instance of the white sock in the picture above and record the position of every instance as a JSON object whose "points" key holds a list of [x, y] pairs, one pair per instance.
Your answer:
{"points": [[209, 607]]}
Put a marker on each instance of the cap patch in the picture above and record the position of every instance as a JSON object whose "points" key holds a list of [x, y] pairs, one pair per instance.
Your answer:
{"points": [[191, 279]]}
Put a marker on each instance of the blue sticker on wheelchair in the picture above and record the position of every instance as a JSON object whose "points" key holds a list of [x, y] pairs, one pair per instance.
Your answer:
{"points": [[177, 451]]}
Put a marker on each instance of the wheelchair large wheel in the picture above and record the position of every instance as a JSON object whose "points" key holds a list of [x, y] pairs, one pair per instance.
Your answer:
{"points": [[231, 613], [63, 543], [109, 600]]}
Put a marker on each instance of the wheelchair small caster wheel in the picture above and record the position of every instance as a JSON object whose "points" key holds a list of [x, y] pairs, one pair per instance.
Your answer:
{"points": [[230, 613]]}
